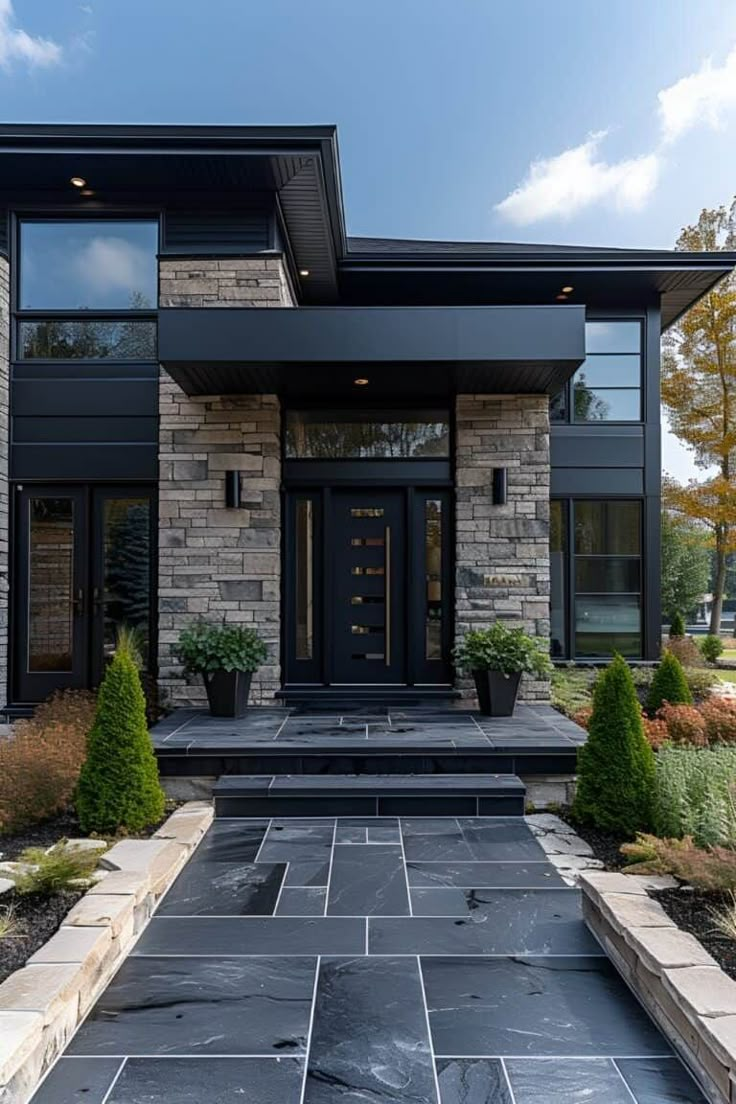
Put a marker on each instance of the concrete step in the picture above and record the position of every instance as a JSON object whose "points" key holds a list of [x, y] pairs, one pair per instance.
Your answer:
{"points": [[314, 795]]}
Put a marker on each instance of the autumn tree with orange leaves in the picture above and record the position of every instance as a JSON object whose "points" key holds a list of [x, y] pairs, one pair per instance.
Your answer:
{"points": [[699, 394]]}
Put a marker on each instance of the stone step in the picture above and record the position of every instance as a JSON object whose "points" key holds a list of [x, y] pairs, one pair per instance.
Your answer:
{"points": [[314, 795]]}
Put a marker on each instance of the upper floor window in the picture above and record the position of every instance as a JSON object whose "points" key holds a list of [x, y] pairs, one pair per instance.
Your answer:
{"points": [[607, 386], [94, 280]]}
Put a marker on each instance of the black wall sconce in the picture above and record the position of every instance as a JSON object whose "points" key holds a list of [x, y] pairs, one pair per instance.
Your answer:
{"points": [[499, 486], [232, 490]]}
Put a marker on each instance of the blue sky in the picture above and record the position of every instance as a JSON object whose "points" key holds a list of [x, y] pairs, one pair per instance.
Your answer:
{"points": [[595, 121]]}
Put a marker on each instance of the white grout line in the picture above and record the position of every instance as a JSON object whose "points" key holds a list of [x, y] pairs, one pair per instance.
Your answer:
{"points": [[429, 1031], [265, 837], [373, 954], [212, 1056], [281, 890], [366, 936], [329, 869], [406, 872], [114, 1082], [556, 1057], [624, 1081], [512, 1095], [310, 1028]]}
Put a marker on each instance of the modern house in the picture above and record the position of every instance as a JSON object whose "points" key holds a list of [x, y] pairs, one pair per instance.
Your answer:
{"points": [[215, 403]]}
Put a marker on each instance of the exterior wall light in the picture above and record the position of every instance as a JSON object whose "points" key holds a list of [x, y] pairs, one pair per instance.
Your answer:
{"points": [[500, 486], [360, 382], [232, 490]]}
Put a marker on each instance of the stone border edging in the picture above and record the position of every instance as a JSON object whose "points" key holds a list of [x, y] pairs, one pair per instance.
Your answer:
{"points": [[681, 986], [42, 1004]]}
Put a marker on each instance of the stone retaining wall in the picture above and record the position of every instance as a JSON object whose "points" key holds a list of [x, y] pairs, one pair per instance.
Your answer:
{"points": [[682, 987], [42, 1004]]}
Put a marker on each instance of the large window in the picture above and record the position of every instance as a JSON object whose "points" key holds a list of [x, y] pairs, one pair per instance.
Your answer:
{"points": [[599, 593], [366, 435], [607, 386], [85, 289]]}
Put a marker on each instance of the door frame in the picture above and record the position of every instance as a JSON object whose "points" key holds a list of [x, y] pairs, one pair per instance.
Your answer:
{"points": [[317, 479], [90, 496]]}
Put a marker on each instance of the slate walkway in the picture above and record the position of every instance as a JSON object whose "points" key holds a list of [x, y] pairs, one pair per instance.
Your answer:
{"points": [[421, 961]]}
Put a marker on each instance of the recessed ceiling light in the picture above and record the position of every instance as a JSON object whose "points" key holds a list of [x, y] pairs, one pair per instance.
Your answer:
{"points": [[360, 382], [303, 271], [78, 181], [568, 289], [86, 192], [560, 296]]}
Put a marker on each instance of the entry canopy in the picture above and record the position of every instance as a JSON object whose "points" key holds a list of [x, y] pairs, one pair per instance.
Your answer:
{"points": [[409, 352]]}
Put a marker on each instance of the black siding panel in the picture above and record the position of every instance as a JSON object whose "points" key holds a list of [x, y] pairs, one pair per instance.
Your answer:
{"points": [[92, 463], [83, 431], [84, 398], [4, 232], [220, 232], [597, 446], [602, 482]]}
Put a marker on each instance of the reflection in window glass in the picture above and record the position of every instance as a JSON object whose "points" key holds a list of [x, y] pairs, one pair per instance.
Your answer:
{"points": [[605, 404], [607, 578], [433, 578], [604, 574], [336, 434], [127, 571], [611, 371], [304, 579], [88, 340], [50, 584], [558, 406], [605, 623], [558, 577], [607, 527], [613, 336], [607, 386], [88, 265]]}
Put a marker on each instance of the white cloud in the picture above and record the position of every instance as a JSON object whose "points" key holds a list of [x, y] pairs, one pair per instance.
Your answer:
{"points": [[16, 45], [560, 186], [702, 97], [111, 264]]}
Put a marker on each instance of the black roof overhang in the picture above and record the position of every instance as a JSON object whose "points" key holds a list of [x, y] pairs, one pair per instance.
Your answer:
{"points": [[412, 352]]}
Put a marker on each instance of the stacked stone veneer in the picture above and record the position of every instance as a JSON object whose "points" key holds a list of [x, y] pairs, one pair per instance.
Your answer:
{"points": [[4, 447], [502, 552], [219, 563]]}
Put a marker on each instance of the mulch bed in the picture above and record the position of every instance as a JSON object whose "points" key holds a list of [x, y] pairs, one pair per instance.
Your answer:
{"points": [[46, 834], [690, 909], [35, 919]]}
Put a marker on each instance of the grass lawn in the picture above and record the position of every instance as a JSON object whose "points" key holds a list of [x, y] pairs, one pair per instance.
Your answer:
{"points": [[728, 653], [727, 676]]}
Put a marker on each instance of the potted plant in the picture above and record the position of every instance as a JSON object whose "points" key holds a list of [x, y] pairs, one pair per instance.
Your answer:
{"points": [[496, 658], [226, 657]]}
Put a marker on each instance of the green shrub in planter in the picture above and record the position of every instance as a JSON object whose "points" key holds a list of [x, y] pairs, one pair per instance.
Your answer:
{"points": [[677, 628], [711, 646], [496, 658], [668, 685], [118, 785], [616, 765], [226, 656]]}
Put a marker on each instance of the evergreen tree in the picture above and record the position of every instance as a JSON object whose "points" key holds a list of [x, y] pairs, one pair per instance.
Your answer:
{"points": [[119, 786], [616, 764], [668, 685], [677, 628]]}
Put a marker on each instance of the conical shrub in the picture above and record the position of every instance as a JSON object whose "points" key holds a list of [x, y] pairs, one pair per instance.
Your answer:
{"points": [[677, 628], [616, 765], [668, 685], [119, 786]]}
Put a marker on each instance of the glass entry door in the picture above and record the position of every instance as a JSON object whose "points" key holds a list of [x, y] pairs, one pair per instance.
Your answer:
{"points": [[367, 592], [83, 568]]}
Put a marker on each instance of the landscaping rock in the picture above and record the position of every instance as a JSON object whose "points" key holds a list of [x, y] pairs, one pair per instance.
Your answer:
{"points": [[663, 949], [156, 857], [83, 845], [133, 883], [6, 884], [102, 910], [704, 989], [628, 910], [48, 988], [20, 1034]]}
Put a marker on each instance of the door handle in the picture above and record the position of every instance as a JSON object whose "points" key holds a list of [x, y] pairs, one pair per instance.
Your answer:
{"points": [[77, 602], [387, 597]]}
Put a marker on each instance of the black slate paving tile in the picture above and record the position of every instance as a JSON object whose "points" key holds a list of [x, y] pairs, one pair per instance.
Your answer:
{"points": [[536, 1006], [369, 1039], [298, 901], [202, 1006], [289, 841], [308, 872], [77, 1080], [659, 1081], [483, 875], [499, 839], [367, 881], [252, 935], [231, 841], [565, 1081], [472, 1081], [434, 840], [224, 889], [210, 1080]]}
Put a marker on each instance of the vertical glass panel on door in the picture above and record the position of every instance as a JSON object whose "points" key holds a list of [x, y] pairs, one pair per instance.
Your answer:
{"points": [[126, 572], [558, 578], [433, 578], [51, 598], [81, 264], [304, 534]]}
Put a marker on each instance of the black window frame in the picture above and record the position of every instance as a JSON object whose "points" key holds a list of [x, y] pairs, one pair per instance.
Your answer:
{"points": [[568, 391], [19, 315]]}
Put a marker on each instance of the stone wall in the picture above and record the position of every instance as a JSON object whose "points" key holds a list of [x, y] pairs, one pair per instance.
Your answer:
{"points": [[502, 552], [4, 492], [216, 562]]}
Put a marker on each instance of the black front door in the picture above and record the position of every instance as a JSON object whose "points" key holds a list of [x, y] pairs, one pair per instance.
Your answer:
{"points": [[83, 567], [369, 568], [368, 587]]}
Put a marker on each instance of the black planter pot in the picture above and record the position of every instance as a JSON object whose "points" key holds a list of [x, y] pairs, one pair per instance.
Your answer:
{"points": [[496, 692], [227, 692]]}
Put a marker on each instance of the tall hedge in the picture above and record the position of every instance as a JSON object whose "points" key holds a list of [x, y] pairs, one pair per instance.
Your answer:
{"points": [[616, 765], [668, 685], [119, 785]]}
